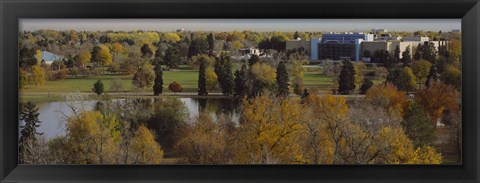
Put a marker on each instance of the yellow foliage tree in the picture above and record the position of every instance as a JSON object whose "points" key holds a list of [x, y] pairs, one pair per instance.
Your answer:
{"points": [[211, 78], [144, 149], [84, 58], [270, 131], [39, 76], [103, 56], [387, 96]]}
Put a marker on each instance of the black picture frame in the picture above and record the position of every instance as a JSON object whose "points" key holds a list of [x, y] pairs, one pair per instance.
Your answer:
{"points": [[466, 10]]}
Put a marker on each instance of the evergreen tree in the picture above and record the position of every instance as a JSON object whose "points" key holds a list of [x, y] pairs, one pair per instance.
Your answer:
{"points": [[367, 83], [29, 115], [146, 51], [98, 87], [223, 69], [241, 81], [172, 57], [406, 57], [396, 54], [393, 75], [346, 78], [282, 79], [429, 52], [158, 85], [211, 42], [296, 35], [202, 88], [197, 46], [253, 60], [418, 52], [418, 126]]}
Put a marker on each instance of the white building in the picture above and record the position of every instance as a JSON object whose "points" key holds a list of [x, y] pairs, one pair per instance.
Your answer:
{"points": [[416, 38]]}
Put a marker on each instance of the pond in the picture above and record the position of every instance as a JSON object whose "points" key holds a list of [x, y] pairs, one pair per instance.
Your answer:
{"points": [[53, 115]]}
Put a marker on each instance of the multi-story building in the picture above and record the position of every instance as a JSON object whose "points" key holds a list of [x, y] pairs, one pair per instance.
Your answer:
{"points": [[345, 46]]}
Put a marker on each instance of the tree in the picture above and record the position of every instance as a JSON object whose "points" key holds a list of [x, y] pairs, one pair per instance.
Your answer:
{"points": [[116, 85], [429, 52], [406, 80], [367, 54], [29, 115], [269, 132], [396, 54], [253, 60], [92, 138], [388, 97], [296, 35], [197, 46], [346, 82], [22, 78], [211, 42], [297, 73], [146, 51], [172, 57], [452, 76], [406, 56], [436, 100], [223, 69], [241, 79], [144, 148], [175, 87], [144, 77], [39, 77], [211, 79], [195, 61], [432, 76], [101, 55], [360, 68], [26, 57], [418, 126], [158, 82], [366, 84], [418, 52], [282, 79], [420, 69], [98, 87], [83, 58], [202, 88], [263, 78]]}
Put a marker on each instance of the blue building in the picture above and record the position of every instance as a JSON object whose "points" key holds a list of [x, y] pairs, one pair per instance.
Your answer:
{"points": [[335, 46]]}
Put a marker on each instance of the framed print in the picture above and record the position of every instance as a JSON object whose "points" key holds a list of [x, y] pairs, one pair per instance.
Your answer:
{"points": [[157, 91]]}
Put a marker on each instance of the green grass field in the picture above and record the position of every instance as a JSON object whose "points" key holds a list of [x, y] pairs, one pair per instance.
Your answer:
{"points": [[185, 75]]}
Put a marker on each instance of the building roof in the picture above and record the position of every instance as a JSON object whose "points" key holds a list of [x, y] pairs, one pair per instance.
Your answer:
{"points": [[47, 56]]}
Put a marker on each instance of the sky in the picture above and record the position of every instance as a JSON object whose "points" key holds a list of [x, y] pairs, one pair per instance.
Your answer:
{"points": [[260, 25]]}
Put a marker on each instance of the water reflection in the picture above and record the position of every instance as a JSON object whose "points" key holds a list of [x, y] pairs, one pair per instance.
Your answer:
{"points": [[54, 114]]}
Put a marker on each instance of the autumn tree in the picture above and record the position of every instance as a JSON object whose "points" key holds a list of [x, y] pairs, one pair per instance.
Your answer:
{"points": [[282, 79], [436, 100], [421, 69], [346, 83], [144, 149], [211, 78], [406, 80], [388, 97], [360, 68], [158, 82], [263, 79], [269, 132], [175, 87], [452, 76], [22, 78], [83, 58], [297, 74], [195, 61], [116, 85], [39, 76], [144, 77], [101, 55]]}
